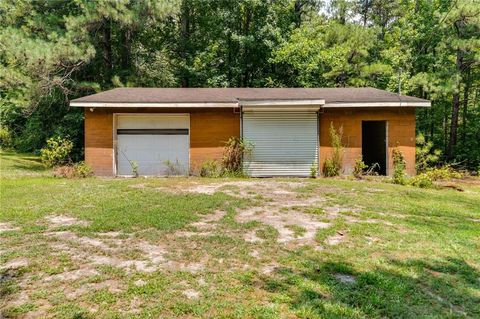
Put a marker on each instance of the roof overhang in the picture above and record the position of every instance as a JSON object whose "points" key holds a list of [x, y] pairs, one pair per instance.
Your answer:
{"points": [[155, 105], [281, 105], [378, 104], [260, 105]]}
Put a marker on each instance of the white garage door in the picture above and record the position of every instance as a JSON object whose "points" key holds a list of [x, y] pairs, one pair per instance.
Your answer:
{"points": [[158, 144], [285, 143]]}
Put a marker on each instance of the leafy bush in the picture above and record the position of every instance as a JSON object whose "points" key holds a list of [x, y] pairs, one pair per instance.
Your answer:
{"points": [[333, 165], [329, 168], [234, 153], [173, 168], [442, 173], [82, 169], [56, 152], [79, 170], [5, 138], [399, 167], [360, 166], [210, 169], [425, 157], [314, 169], [65, 171], [421, 180], [134, 166]]}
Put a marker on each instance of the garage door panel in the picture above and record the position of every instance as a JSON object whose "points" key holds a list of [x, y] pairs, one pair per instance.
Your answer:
{"points": [[285, 143], [152, 151]]}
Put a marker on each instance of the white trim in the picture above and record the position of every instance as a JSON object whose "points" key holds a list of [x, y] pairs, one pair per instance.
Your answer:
{"points": [[387, 151], [156, 105], [266, 108], [378, 104], [281, 102], [115, 144], [261, 103]]}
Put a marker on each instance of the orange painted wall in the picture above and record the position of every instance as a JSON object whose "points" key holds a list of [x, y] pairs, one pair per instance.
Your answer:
{"points": [[209, 130], [401, 133]]}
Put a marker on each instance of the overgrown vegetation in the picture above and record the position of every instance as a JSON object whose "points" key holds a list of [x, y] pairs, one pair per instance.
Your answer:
{"points": [[211, 168], [57, 152], [77, 170], [314, 169], [425, 155], [235, 151], [60, 50], [333, 164], [399, 167], [359, 168]]}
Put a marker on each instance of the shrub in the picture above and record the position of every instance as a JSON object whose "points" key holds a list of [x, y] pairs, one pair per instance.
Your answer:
{"points": [[134, 166], [333, 165], [5, 138], [82, 169], [425, 157], [173, 168], [399, 175], [66, 171], [329, 168], [314, 169], [421, 180], [360, 166], [56, 152], [234, 153], [442, 173], [210, 169]]}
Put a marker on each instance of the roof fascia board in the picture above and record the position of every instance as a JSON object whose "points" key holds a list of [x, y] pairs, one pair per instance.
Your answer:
{"points": [[287, 108], [378, 104], [281, 102], [155, 105]]}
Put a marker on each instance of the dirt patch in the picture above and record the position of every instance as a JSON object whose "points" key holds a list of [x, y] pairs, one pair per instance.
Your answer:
{"points": [[140, 283], [282, 222], [252, 237], [335, 239], [56, 221], [15, 263], [112, 286], [72, 275], [345, 279], [5, 227], [268, 269], [191, 294], [247, 188], [107, 250], [186, 267]]}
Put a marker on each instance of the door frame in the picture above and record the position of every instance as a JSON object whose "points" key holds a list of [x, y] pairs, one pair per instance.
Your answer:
{"points": [[115, 139], [387, 150]]}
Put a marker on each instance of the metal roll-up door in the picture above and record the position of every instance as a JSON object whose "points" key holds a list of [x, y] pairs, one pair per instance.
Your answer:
{"points": [[157, 143], [284, 143]]}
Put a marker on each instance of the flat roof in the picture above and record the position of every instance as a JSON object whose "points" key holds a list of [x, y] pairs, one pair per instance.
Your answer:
{"points": [[234, 97]]}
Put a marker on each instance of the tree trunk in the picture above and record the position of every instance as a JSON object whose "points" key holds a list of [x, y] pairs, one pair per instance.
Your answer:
{"points": [[366, 6], [184, 38], [107, 49], [465, 107], [126, 58], [297, 9], [455, 110], [246, 58]]}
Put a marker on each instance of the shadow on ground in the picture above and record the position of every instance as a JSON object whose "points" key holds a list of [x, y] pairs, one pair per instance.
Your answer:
{"points": [[400, 289]]}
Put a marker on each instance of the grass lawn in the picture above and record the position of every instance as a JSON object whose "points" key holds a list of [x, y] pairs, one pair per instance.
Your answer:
{"points": [[234, 248]]}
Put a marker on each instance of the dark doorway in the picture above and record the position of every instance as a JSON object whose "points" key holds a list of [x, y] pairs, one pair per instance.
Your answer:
{"points": [[374, 145]]}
